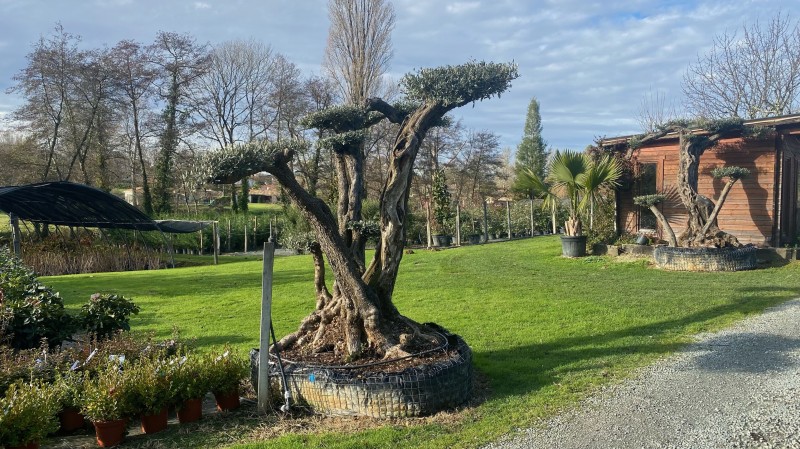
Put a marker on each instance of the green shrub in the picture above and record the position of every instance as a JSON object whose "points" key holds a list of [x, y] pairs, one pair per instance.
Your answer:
{"points": [[190, 377], [107, 396], [29, 310], [69, 385], [105, 314], [149, 380], [227, 371], [28, 413]]}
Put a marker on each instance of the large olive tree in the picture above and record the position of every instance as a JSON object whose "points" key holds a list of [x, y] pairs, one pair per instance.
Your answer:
{"points": [[694, 138], [358, 319]]}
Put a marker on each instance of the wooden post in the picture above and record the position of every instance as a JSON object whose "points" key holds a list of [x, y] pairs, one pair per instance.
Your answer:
{"points": [[458, 225], [16, 236], [255, 230], [485, 222], [215, 232], [428, 223], [531, 217], [508, 218], [266, 318], [201, 243], [229, 235], [245, 235]]}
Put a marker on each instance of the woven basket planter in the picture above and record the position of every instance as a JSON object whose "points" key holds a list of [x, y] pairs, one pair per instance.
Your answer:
{"points": [[705, 259], [418, 391]]}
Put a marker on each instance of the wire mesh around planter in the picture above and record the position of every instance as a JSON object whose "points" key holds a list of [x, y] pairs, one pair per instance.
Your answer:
{"points": [[416, 391], [706, 259]]}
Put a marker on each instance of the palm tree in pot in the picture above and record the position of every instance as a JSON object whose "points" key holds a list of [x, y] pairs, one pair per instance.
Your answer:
{"points": [[577, 180]]}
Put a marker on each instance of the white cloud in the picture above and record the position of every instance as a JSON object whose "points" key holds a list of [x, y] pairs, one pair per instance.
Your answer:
{"points": [[201, 5], [462, 7]]}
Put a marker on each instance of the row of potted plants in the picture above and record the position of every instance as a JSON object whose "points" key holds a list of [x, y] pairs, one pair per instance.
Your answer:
{"points": [[111, 395]]}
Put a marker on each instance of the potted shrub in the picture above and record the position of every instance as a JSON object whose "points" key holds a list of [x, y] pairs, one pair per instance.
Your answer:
{"points": [[577, 179], [226, 372], [106, 401], [69, 386], [105, 314], [149, 381], [190, 382], [27, 414]]}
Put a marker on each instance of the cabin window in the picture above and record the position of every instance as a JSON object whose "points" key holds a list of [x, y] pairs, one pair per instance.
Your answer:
{"points": [[646, 184]]}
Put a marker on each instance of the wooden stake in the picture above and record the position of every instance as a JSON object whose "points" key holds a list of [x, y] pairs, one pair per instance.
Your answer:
{"points": [[458, 225], [508, 218], [16, 235], [266, 318], [215, 232]]}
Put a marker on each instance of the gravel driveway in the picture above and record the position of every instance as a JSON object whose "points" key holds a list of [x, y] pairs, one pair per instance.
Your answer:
{"points": [[738, 388]]}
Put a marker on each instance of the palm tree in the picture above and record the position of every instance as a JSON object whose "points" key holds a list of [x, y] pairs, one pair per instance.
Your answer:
{"points": [[577, 179]]}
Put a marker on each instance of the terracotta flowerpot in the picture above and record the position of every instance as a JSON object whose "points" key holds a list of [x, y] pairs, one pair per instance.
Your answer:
{"points": [[227, 401], [110, 433], [31, 445], [70, 419], [155, 423], [190, 411]]}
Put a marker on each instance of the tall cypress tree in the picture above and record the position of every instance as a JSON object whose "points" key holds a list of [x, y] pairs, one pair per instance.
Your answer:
{"points": [[532, 150]]}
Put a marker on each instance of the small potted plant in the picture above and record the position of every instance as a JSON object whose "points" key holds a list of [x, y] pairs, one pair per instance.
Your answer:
{"points": [[226, 372], [27, 414], [106, 401], [190, 382], [150, 381], [69, 386]]}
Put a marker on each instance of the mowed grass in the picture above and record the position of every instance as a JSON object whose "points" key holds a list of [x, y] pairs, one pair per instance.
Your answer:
{"points": [[545, 331]]}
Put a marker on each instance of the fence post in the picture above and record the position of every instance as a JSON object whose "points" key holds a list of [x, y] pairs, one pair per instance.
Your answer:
{"points": [[508, 218], [266, 318], [245, 235], [215, 232], [531, 217], [200, 252], [229, 235], [458, 225], [16, 236], [428, 222], [485, 222]]}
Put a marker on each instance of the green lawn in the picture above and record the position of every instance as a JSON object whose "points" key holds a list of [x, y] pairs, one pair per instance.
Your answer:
{"points": [[545, 331]]}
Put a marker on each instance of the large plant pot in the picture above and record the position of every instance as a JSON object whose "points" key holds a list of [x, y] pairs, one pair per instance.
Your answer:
{"points": [[419, 391], [71, 419], [573, 245], [705, 259], [227, 401], [191, 410], [110, 433], [441, 240], [155, 423], [474, 239]]}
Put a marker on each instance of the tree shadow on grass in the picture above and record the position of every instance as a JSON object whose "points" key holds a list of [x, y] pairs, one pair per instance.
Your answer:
{"points": [[524, 369]]}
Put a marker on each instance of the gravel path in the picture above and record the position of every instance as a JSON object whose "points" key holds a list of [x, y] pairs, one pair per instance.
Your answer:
{"points": [[738, 388]]}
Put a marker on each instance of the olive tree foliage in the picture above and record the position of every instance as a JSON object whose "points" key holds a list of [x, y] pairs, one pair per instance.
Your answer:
{"points": [[358, 318], [751, 74], [359, 46], [694, 138]]}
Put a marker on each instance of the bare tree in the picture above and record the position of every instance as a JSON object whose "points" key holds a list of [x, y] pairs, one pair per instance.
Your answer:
{"points": [[135, 77], [182, 60], [359, 46], [750, 76], [655, 109]]}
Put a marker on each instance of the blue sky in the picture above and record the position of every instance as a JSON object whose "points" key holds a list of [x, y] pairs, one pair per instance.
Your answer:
{"points": [[589, 63]]}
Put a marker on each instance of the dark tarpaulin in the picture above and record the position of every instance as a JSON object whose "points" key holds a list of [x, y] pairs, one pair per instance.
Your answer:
{"points": [[69, 204]]}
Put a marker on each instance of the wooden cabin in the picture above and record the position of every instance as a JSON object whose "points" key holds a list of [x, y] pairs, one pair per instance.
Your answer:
{"points": [[761, 209]]}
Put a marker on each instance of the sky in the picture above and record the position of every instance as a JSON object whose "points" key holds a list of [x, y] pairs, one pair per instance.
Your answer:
{"points": [[589, 63]]}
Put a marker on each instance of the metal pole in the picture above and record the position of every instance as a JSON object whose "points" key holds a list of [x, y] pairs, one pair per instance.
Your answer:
{"points": [[266, 317], [485, 222], [16, 235], [508, 218], [458, 225]]}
